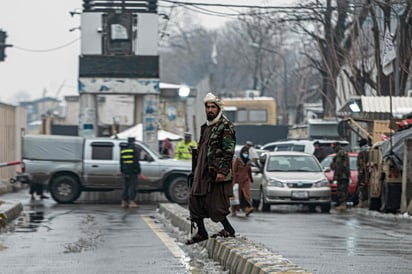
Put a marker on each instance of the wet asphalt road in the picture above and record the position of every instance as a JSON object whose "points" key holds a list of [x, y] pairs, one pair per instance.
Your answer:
{"points": [[357, 241], [87, 238], [103, 238]]}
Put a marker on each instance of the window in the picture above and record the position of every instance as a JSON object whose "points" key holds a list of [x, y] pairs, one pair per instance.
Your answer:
{"points": [[300, 148], [258, 115], [118, 32], [102, 151], [283, 147], [242, 115]]}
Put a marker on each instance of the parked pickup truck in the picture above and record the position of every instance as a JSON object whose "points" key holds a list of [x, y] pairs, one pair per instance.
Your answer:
{"points": [[68, 165]]}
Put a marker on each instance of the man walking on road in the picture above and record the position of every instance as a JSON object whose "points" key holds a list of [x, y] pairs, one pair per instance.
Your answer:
{"points": [[212, 182], [340, 166], [130, 167]]}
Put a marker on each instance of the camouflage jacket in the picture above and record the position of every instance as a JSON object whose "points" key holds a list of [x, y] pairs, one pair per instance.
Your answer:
{"points": [[340, 165], [221, 148], [362, 161]]}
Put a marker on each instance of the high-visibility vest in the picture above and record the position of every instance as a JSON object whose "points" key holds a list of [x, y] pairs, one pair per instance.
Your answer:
{"points": [[184, 150], [129, 161]]}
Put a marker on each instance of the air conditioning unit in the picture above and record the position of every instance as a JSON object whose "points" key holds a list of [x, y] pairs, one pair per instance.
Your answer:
{"points": [[252, 93]]}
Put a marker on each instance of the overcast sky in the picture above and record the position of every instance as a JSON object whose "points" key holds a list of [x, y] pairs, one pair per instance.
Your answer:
{"points": [[44, 59]]}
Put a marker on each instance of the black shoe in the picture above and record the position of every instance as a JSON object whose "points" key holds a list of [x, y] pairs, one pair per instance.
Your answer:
{"points": [[44, 197], [223, 233], [195, 239], [32, 197]]}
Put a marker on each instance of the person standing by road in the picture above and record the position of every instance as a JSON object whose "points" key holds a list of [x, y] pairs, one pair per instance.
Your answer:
{"points": [[363, 173], [340, 166], [242, 175], [166, 148], [36, 188], [320, 153], [253, 155], [184, 148], [212, 183], [130, 167]]}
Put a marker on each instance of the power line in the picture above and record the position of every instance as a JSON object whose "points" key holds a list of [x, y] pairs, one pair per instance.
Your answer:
{"points": [[234, 5], [47, 50]]}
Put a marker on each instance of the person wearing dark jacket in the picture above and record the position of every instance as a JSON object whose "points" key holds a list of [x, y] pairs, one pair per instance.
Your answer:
{"points": [[320, 153], [36, 188], [212, 183], [340, 166], [130, 167], [363, 173]]}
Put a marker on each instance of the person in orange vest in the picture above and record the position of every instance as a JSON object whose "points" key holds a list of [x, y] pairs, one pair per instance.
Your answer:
{"points": [[184, 148]]}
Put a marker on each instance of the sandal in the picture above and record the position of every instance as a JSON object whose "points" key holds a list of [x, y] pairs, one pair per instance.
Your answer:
{"points": [[195, 239], [223, 233]]}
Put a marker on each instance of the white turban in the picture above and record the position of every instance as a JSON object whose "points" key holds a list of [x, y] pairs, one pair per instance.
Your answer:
{"points": [[211, 98]]}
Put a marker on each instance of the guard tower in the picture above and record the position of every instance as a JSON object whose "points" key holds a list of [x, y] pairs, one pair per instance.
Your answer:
{"points": [[119, 55]]}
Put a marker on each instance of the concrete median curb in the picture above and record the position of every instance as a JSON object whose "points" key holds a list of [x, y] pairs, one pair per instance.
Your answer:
{"points": [[9, 210], [238, 255]]}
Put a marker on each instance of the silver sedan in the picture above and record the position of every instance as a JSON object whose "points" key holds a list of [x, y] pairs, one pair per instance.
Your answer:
{"points": [[290, 177]]}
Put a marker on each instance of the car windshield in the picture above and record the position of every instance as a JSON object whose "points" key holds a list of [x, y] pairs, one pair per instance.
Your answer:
{"points": [[293, 163]]}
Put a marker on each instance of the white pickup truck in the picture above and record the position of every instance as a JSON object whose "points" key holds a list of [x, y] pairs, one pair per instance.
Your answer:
{"points": [[68, 165]]}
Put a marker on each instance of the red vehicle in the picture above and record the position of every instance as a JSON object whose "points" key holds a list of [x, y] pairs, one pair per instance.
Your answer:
{"points": [[353, 182]]}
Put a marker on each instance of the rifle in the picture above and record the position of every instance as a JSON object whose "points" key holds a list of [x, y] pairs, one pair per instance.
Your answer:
{"points": [[190, 179], [194, 161]]}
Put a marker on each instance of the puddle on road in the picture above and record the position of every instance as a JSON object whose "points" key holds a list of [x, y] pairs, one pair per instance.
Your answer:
{"points": [[29, 221]]}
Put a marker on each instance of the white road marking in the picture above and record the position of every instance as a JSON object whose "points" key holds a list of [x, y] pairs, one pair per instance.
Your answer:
{"points": [[167, 241]]}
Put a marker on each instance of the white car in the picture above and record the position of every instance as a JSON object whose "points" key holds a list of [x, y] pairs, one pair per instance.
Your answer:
{"points": [[290, 177], [303, 145]]}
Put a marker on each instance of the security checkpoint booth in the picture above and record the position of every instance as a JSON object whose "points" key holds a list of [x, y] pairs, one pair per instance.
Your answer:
{"points": [[119, 55]]}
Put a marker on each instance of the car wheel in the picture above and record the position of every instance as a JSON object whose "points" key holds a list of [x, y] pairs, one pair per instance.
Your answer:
{"points": [[65, 189], [264, 206], [325, 208], [177, 190]]}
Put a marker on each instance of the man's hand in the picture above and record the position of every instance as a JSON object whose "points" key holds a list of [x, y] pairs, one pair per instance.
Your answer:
{"points": [[220, 177]]}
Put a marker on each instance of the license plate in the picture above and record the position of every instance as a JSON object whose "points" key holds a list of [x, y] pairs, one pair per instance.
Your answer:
{"points": [[300, 195]]}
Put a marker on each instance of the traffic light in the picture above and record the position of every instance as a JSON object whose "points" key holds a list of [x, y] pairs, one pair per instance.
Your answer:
{"points": [[3, 45], [3, 36]]}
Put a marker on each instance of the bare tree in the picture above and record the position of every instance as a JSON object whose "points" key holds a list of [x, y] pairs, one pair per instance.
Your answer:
{"points": [[333, 29], [185, 50]]}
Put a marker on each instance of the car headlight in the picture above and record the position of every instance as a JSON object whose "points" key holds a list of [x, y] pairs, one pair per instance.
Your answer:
{"points": [[322, 183], [274, 182]]}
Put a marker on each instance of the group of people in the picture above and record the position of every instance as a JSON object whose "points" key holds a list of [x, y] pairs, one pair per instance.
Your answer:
{"points": [[183, 148], [341, 167]]}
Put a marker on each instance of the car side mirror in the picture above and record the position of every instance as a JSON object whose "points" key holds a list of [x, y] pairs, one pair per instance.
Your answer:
{"points": [[262, 159], [326, 169]]}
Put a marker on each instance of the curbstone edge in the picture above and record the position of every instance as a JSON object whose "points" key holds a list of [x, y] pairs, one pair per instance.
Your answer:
{"points": [[238, 255]]}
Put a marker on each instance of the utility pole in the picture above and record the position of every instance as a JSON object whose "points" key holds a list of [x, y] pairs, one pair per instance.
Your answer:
{"points": [[3, 45]]}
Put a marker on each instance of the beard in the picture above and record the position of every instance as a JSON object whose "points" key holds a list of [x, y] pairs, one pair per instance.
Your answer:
{"points": [[210, 116]]}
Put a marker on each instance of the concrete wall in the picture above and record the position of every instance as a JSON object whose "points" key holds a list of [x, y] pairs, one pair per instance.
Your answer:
{"points": [[12, 126]]}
